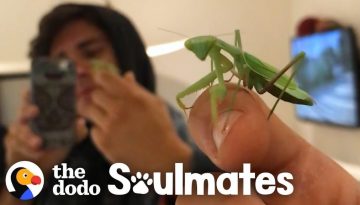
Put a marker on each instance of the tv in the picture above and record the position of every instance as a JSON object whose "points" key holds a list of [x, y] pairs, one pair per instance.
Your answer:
{"points": [[330, 74]]}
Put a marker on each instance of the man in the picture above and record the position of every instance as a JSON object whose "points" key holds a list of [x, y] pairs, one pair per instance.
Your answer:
{"points": [[129, 123]]}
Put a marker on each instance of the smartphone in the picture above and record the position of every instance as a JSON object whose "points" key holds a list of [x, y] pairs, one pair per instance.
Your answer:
{"points": [[53, 92]]}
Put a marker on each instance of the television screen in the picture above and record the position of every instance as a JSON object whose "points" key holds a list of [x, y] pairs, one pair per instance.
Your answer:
{"points": [[329, 74]]}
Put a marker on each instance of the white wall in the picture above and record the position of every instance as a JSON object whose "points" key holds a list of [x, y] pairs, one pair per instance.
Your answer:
{"points": [[18, 25]]}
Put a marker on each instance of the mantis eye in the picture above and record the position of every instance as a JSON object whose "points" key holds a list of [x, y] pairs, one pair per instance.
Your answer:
{"points": [[188, 44]]}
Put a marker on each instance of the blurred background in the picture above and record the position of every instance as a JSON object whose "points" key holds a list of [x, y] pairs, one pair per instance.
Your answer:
{"points": [[267, 29]]}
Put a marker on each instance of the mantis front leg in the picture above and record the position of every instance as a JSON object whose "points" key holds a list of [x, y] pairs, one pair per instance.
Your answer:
{"points": [[200, 84], [217, 92], [220, 65]]}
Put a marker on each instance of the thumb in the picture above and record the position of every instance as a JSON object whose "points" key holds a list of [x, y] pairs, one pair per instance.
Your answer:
{"points": [[242, 133]]}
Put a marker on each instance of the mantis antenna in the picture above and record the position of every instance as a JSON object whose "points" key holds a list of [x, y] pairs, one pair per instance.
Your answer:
{"points": [[173, 32], [183, 35]]}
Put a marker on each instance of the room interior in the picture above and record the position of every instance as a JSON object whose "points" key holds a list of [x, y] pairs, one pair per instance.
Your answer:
{"points": [[266, 27]]}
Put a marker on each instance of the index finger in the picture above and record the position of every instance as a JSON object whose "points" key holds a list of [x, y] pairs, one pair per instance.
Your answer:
{"points": [[111, 83]]}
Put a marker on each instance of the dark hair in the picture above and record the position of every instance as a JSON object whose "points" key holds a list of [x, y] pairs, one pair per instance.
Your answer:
{"points": [[127, 44]]}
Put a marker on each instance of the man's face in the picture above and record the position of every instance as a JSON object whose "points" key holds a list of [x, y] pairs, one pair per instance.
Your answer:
{"points": [[81, 41]]}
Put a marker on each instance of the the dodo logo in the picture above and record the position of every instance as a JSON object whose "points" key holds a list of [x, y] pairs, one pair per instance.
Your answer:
{"points": [[24, 180]]}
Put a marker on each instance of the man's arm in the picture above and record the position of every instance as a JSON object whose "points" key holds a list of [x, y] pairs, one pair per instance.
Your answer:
{"points": [[5, 197]]}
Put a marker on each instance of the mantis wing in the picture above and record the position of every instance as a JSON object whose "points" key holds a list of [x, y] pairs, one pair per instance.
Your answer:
{"points": [[262, 73], [267, 71], [297, 95]]}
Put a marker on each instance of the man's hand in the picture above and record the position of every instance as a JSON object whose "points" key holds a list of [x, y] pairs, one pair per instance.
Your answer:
{"points": [[22, 144], [132, 125], [244, 135]]}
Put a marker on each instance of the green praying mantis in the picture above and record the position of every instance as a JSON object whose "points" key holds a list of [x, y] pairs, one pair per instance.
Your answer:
{"points": [[249, 70], [100, 65]]}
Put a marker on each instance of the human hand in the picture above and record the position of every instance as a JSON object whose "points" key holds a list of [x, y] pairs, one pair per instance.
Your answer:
{"points": [[246, 136], [131, 125], [21, 143]]}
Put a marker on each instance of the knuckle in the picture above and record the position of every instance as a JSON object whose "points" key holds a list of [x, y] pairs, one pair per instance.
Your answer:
{"points": [[111, 117], [116, 112], [138, 98], [107, 128], [16, 132]]}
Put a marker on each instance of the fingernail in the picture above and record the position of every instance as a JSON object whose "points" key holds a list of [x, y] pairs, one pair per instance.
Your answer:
{"points": [[223, 126]]}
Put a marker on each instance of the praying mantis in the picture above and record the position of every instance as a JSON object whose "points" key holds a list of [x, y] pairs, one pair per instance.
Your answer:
{"points": [[97, 65], [249, 70]]}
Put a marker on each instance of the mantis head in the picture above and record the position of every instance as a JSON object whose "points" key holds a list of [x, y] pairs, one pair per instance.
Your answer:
{"points": [[200, 45]]}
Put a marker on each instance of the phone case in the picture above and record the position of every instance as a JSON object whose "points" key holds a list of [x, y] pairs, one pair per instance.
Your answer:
{"points": [[53, 92]]}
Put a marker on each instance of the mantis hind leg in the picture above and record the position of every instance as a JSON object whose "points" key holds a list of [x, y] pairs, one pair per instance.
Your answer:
{"points": [[281, 94], [262, 87], [280, 73]]}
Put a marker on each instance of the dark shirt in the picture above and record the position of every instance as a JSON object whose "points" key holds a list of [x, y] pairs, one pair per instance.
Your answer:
{"points": [[2, 154]]}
